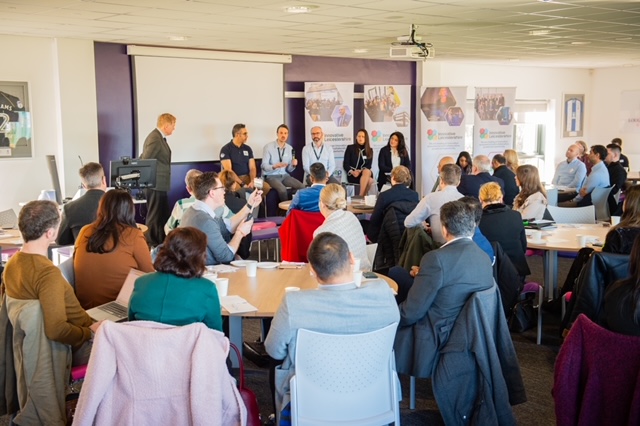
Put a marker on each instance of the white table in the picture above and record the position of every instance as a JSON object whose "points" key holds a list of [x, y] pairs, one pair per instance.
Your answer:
{"points": [[563, 238]]}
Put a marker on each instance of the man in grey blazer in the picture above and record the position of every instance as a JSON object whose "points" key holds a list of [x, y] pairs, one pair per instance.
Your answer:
{"points": [[446, 279], [338, 306], [82, 211], [156, 147]]}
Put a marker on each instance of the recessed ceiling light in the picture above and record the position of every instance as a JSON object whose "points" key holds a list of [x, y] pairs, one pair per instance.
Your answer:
{"points": [[514, 60], [539, 32], [579, 43], [624, 38], [297, 9], [360, 50], [178, 38]]}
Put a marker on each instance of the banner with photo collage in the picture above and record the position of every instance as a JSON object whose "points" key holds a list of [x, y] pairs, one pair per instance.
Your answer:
{"points": [[387, 109], [442, 129], [330, 106], [493, 125]]}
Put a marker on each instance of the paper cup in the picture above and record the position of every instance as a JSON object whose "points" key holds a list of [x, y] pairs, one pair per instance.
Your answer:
{"points": [[357, 278], [222, 285], [536, 235], [288, 289], [581, 240], [615, 220], [252, 268], [210, 276], [370, 200]]}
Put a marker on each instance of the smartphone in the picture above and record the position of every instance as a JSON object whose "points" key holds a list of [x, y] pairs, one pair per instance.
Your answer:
{"points": [[369, 275]]}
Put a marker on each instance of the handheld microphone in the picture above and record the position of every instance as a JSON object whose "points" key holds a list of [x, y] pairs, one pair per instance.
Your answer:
{"points": [[293, 153]]}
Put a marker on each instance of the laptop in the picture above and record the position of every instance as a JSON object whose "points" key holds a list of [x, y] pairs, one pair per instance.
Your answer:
{"points": [[118, 310]]}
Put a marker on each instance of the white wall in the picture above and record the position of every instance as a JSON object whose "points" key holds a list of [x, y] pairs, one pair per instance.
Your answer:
{"points": [[61, 77], [531, 84], [608, 83]]}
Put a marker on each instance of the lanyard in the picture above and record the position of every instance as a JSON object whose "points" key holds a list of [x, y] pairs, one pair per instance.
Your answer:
{"points": [[280, 154], [316, 154]]}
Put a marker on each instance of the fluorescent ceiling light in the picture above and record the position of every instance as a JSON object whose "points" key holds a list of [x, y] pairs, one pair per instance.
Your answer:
{"points": [[578, 43], [360, 50], [539, 32], [178, 38], [297, 9]]}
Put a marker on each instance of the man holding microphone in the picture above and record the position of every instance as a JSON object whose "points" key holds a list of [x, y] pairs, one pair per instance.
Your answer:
{"points": [[278, 160]]}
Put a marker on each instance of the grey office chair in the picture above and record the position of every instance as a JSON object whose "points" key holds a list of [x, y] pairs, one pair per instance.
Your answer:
{"points": [[600, 200]]}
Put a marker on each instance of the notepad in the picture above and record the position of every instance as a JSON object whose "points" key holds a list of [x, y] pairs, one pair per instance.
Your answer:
{"points": [[236, 305]]}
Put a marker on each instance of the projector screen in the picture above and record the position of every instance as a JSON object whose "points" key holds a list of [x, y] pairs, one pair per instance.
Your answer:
{"points": [[208, 97]]}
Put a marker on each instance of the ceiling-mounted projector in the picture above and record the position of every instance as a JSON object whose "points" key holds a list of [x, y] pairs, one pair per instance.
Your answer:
{"points": [[411, 47], [411, 52]]}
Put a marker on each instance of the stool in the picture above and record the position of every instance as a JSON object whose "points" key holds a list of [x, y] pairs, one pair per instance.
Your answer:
{"points": [[275, 219], [261, 225], [265, 234]]}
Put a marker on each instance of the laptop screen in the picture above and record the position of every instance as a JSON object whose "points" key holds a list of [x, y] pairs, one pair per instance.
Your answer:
{"points": [[127, 287]]}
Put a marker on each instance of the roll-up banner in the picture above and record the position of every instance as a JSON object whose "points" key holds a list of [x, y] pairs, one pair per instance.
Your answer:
{"points": [[330, 106], [387, 109], [493, 125], [442, 129]]}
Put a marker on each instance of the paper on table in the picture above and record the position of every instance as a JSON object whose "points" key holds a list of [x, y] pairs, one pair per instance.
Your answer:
{"points": [[236, 305], [221, 269], [291, 265]]}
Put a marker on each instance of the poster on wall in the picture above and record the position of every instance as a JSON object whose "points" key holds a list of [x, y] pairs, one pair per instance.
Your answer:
{"points": [[387, 110], [573, 115], [493, 125], [442, 128], [15, 120], [330, 107], [630, 111]]}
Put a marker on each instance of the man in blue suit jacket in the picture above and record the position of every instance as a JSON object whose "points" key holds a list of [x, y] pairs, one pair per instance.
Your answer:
{"points": [[470, 184]]}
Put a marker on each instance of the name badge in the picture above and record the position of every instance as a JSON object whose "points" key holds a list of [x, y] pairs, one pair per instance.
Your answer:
{"points": [[246, 153], [364, 157]]}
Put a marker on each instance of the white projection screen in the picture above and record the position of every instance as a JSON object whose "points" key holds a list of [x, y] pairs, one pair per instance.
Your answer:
{"points": [[208, 97]]}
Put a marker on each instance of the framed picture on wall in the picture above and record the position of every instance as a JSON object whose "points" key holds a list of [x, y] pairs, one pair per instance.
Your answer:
{"points": [[15, 120], [573, 115]]}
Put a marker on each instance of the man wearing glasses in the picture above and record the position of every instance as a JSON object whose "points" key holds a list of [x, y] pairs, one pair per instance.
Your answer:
{"points": [[238, 156], [223, 235], [318, 152]]}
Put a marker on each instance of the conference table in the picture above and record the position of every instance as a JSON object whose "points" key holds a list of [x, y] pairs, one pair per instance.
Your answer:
{"points": [[355, 206], [564, 238], [633, 177], [266, 290]]}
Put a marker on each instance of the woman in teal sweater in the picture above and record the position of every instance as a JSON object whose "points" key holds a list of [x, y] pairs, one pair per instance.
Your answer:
{"points": [[177, 294]]}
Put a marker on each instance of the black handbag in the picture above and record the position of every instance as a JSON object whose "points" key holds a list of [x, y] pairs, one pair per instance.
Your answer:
{"points": [[523, 315]]}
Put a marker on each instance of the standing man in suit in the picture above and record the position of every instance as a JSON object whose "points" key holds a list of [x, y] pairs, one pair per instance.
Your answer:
{"points": [[470, 184], [500, 170], [445, 280], [156, 147], [82, 211]]}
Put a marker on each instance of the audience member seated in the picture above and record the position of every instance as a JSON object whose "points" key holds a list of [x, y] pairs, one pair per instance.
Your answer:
{"points": [[583, 155], [470, 184], [233, 199], [465, 163], [500, 170], [446, 278], [333, 202], [81, 212], [393, 154], [428, 209], [504, 225], [29, 274], [622, 299], [337, 306], [598, 178], [570, 174], [531, 202], [223, 234], [617, 174], [511, 158], [307, 199], [107, 249], [398, 193], [184, 203], [177, 294], [357, 162], [444, 160], [621, 237], [624, 161]]}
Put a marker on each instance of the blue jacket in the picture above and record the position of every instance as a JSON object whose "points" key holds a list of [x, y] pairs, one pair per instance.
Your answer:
{"points": [[307, 199]]}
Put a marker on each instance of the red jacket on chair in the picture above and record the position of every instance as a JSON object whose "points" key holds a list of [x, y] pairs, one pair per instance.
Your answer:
{"points": [[296, 234], [597, 377]]}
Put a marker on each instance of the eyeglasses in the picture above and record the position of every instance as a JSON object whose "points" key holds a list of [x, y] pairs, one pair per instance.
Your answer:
{"points": [[218, 187]]}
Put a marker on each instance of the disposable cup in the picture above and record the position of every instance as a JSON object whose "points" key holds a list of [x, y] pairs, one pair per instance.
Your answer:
{"points": [[581, 240], [536, 235], [615, 220], [357, 278], [356, 264], [222, 285], [252, 268]]}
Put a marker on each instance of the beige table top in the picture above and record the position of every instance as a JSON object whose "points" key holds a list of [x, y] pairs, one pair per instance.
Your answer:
{"points": [[633, 176], [356, 206], [266, 290], [564, 237]]}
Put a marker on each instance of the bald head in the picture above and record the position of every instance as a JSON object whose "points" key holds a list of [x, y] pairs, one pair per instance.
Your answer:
{"points": [[573, 152], [445, 160]]}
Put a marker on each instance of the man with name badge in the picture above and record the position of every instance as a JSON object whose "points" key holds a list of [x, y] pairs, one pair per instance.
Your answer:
{"points": [[278, 160], [318, 152]]}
